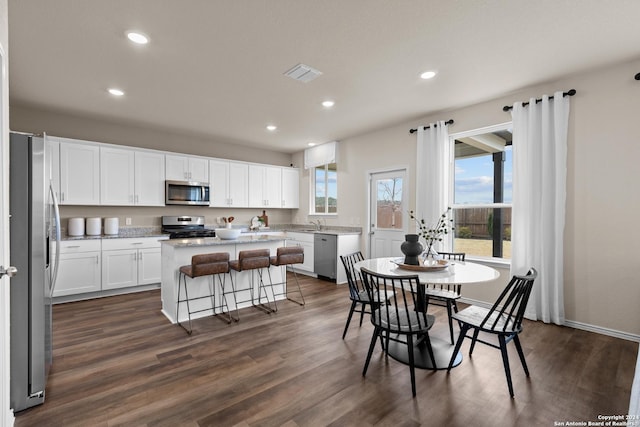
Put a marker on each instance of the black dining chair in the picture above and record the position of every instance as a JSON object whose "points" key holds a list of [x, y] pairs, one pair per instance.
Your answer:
{"points": [[503, 319], [360, 301], [399, 321], [445, 295]]}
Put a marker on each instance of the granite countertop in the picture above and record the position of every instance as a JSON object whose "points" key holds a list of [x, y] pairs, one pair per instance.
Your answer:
{"points": [[214, 241], [154, 231]]}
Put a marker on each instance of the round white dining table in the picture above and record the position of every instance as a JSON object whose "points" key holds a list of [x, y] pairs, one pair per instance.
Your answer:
{"points": [[457, 272]]}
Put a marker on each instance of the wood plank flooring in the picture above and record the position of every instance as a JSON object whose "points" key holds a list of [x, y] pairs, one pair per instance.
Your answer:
{"points": [[118, 361]]}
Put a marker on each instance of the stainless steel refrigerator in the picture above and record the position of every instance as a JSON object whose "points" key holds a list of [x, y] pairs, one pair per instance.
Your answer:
{"points": [[34, 227]]}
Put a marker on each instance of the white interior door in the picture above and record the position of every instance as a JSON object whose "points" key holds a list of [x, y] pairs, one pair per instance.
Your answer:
{"points": [[388, 212], [6, 417]]}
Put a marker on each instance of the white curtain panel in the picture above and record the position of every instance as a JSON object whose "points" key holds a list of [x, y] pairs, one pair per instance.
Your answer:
{"points": [[433, 166], [539, 195]]}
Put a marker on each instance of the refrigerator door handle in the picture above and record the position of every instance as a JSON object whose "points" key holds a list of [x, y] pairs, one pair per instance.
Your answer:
{"points": [[56, 215]]}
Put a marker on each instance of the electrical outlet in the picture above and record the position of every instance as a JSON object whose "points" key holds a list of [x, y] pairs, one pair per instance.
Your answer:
{"points": [[127, 221]]}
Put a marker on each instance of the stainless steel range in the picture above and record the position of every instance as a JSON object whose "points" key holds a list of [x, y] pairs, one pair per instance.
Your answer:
{"points": [[184, 227]]}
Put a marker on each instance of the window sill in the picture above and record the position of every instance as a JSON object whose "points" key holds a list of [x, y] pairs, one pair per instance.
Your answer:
{"points": [[490, 262]]}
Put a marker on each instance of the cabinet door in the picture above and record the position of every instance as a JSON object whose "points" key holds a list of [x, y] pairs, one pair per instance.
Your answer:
{"points": [[219, 183], [290, 188], [119, 268], [198, 169], [256, 181], [78, 273], [79, 174], [238, 185], [149, 179], [176, 168], [149, 266], [53, 163], [116, 176], [272, 188]]}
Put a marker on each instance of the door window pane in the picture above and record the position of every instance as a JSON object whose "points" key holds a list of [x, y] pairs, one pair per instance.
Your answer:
{"points": [[389, 203]]}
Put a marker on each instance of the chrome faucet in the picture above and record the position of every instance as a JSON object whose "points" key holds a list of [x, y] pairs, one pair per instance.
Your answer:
{"points": [[317, 224]]}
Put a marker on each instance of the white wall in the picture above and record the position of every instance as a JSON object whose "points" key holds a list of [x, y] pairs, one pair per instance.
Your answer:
{"points": [[602, 235]]}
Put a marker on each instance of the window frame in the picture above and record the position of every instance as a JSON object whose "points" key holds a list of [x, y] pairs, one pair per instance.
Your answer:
{"points": [[498, 261], [313, 185]]}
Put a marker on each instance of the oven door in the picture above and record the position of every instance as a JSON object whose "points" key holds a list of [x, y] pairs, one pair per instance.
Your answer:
{"points": [[186, 193]]}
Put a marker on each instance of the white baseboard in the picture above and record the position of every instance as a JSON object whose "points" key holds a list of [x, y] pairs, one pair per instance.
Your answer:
{"points": [[573, 324]]}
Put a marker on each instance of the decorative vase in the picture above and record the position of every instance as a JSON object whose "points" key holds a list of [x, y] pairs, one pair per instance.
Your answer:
{"points": [[430, 256], [411, 248]]}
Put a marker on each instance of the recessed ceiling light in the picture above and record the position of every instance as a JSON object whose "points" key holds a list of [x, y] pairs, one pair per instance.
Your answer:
{"points": [[328, 103], [428, 75], [311, 144], [271, 128], [116, 92], [138, 38]]}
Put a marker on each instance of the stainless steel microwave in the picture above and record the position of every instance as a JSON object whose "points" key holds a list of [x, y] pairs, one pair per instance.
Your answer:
{"points": [[186, 193]]}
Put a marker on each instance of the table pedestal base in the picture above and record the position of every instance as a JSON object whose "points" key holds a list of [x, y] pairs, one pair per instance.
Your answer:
{"points": [[442, 352]]}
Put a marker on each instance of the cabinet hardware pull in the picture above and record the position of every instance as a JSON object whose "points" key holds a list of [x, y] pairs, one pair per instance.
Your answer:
{"points": [[73, 247]]}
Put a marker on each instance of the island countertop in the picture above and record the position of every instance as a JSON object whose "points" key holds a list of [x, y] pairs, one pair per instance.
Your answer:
{"points": [[215, 241]]}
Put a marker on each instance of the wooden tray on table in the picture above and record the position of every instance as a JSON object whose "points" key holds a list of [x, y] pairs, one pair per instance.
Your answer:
{"points": [[440, 265]]}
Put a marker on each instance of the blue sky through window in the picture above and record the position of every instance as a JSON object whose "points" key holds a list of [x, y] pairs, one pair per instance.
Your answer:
{"points": [[474, 179]]}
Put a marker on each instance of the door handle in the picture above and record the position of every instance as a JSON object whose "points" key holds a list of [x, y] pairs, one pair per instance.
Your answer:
{"points": [[9, 271]]}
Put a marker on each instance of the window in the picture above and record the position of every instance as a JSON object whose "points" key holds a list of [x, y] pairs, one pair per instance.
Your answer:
{"points": [[325, 188], [482, 191]]}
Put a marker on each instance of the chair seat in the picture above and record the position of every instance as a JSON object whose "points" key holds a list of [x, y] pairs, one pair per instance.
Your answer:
{"points": [[441, 293], [363, 297], [205, 269], [474, 316], [401, 322]]}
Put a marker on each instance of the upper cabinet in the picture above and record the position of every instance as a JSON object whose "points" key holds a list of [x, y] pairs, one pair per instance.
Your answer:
{"points": [[79, 173], [290, 188], [229, 183], [265, 186], [187, 168], [131, 177]]}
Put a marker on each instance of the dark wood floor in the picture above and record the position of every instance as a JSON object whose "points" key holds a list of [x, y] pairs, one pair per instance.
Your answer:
{"points": [[118, 361]]}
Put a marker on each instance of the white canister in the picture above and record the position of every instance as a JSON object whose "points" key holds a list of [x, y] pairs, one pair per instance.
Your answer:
{"points": [[93, 226], [75, 227], [111, 226]]}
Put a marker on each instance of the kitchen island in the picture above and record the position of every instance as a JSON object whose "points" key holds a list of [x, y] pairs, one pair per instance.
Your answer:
{"points": [[178, 252]]}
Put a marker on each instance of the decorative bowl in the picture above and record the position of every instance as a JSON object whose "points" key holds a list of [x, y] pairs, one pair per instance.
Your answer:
{"points": [[228, 233]]}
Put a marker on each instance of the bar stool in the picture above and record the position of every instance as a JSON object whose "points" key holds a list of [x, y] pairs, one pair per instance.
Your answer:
{"points": [[287, 256], [213, 265], [256, 260]]}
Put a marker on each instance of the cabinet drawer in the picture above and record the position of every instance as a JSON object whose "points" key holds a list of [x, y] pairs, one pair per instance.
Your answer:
{"points": [[131, 243], [74, 246]]}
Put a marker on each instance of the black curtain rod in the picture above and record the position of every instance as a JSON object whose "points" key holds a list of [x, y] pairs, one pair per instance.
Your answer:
{"points": [[570, 92], [448, 122], [638, 76]]}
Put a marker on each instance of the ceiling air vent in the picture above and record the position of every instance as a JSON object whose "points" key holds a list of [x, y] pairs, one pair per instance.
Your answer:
{"points": [[302, 73]]}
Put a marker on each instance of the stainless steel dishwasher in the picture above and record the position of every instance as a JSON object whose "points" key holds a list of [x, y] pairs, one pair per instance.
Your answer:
{"points": [[325, 249]]}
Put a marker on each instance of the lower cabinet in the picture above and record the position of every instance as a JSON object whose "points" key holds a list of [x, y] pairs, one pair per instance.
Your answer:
{"points": [[79, 269], [130, 262], [104, 264], [306, 241]]}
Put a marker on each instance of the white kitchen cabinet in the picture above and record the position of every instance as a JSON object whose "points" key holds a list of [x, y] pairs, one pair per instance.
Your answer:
{"points": [[131, 177], [79, 173], [79, 268], [52, 148], [229, 183], [117, 176], [290, 188], [130, 262], [304, 240], [186, 168], [149, 178], [265, 186]]}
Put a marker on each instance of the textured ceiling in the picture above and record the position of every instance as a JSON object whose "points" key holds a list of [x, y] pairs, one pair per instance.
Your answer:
{"points": [[214, 68]]}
